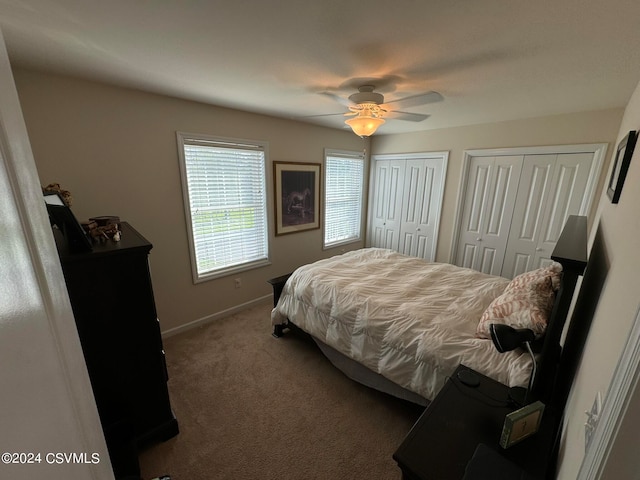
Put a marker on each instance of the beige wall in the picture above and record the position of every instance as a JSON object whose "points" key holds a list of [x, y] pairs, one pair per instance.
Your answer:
{"points": [[115, 150], [587, 127], [616, 254]]}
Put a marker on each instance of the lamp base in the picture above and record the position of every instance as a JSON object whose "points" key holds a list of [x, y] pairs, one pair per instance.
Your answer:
{"points": [[469, 378], [518, 396]]}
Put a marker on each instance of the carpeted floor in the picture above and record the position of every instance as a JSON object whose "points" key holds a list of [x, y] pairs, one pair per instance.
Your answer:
{"points": [[251, 406]]}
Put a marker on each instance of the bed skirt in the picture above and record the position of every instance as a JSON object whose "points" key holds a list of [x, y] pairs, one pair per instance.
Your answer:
{"points": [[361, 374]]}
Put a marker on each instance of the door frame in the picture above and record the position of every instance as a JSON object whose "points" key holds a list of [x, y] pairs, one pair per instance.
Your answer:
{"points": [[443, 156], [40, 322], [599, 151]]}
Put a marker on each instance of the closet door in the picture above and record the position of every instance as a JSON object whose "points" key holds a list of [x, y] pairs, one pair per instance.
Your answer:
{"points": [[387, 203], [492, 186], [552, 187], [421, 207], [553, 182], [529, 214]]}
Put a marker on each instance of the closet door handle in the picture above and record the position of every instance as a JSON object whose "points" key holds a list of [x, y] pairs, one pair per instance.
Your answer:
{"points": [[478, 239]]}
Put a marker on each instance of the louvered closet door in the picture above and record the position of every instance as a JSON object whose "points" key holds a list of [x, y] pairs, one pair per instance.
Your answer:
{"points": [[386, 217], [421, 207], [491, 192], [552, 187]]}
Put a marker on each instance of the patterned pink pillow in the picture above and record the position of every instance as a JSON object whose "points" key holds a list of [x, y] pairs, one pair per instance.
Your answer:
{"points": [[526, 302]]}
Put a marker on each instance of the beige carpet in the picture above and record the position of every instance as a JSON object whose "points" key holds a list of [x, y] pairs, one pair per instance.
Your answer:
{"points": [[251, 406]]}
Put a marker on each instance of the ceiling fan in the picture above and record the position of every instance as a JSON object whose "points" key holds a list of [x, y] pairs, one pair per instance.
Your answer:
{"points": [[369, 109]]}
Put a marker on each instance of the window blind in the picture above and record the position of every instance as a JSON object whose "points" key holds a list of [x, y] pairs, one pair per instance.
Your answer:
{"points": [[343, 198], [227, 204]]}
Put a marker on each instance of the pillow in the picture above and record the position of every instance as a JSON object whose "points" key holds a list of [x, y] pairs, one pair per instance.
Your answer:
{"points": [[525, 303]]}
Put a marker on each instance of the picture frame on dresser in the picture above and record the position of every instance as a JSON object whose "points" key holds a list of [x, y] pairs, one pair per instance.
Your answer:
{"points": [[621, 163], [62, 217]]}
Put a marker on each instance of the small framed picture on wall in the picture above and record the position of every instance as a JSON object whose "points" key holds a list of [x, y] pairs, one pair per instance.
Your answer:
{"points": [[297, 196], [621, 166]]}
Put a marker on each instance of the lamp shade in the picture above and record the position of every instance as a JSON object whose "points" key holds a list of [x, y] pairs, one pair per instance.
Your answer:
{"points": [[364, 125], [506, 338]]}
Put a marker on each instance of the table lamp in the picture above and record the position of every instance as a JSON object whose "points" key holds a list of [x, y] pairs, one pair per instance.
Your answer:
{"points": [[505, 339]]}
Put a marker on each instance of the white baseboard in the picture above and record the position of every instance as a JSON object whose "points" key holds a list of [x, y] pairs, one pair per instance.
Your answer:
{"points": [[216, 316]]}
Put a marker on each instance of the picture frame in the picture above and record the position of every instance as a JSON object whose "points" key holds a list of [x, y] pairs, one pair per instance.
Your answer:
{"points": [[65, 221], [521, 424], [297, 196], [621, 163]]}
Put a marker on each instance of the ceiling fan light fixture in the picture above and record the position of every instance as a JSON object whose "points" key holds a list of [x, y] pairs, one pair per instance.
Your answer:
{"points": [[364, 125]]}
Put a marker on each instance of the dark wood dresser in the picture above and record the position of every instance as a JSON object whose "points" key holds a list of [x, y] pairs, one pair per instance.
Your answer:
{"points": [[112, 300]]}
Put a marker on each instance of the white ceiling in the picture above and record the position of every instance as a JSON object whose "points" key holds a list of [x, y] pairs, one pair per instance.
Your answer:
{"points": [[492, 60]]}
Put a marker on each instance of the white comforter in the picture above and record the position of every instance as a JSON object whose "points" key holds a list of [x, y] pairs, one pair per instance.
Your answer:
{"points": [[409, 320]]}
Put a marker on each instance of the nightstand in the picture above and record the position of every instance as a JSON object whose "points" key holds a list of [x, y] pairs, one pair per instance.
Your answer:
{"points": [[463, 418]]}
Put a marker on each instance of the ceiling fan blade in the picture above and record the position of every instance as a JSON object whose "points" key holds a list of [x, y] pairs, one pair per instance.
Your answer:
{"points": [[420, 99], [410, 117], [325, 115], [337, 98]]}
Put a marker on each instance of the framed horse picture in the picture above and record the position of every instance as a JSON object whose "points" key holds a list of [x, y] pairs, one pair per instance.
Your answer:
{"points": [[297, 196]]}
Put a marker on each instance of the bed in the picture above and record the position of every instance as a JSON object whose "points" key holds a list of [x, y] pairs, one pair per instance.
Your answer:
{"points": [[402, 325]]}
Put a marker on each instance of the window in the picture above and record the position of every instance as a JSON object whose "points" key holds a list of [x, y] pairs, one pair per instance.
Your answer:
{"points": [[344, 172], [225, 200]]}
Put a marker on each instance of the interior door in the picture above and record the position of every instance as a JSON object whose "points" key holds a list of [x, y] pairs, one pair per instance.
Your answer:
{"points": [[553, 182], [387, 199], [569, 196], [528, 217], [492, 186], [421, 207], [552, 187]]}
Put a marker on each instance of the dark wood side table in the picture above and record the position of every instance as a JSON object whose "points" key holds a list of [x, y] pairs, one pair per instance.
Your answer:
{"points": [[462, 417]]}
